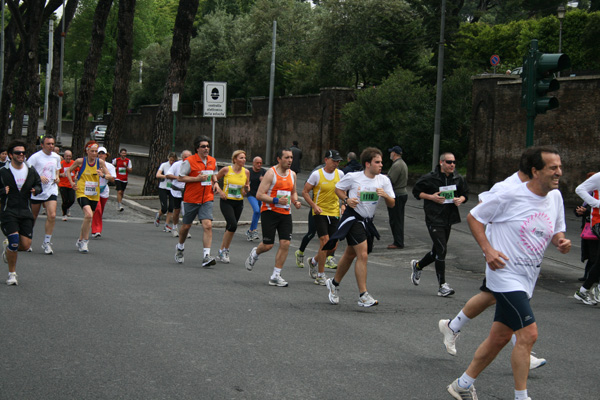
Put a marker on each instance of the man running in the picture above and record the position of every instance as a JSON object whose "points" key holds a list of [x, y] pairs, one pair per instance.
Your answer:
{"points": [[522, 221], [256, 175], [276, 191], [325, 206], [124, 168], [47, 164], [198, 172], [17, 183], [176, 194], [67, 193], [364, 189]]}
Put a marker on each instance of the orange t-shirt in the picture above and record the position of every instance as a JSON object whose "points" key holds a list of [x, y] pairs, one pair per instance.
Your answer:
{"points": [[200, 192], [64, 181], [281, 186]]}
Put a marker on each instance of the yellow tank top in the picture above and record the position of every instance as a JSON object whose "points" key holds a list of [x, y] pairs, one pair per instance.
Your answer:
{"points": [[88, 181], [324, 194], [233, 184]]}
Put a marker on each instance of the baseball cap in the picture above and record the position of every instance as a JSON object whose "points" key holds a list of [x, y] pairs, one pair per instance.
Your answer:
{"points": [[102, 149], [395, 149], [334, 155]]}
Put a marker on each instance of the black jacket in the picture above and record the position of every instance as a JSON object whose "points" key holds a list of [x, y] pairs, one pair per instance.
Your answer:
{"points": [[441, 214], [17, 203], [352, 166]]}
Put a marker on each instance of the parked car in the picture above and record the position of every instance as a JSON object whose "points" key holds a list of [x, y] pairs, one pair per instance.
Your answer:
{"points": [[98, 133]]}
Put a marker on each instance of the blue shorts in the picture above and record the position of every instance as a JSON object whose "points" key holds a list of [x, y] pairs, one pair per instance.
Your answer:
{"points": [[513, 310]]}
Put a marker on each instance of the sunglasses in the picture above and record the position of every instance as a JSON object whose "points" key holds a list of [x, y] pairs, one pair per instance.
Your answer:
{"points": [[18, 153], [204, 146], [450, 161]]}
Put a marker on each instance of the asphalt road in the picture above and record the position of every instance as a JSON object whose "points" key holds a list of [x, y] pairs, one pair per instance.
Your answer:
{"points": [[127, 322]]}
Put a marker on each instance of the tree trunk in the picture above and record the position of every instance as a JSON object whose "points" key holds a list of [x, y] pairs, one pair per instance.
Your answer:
{"points": [[120, 99], [88, 80], [12, 59], [180, 57]]}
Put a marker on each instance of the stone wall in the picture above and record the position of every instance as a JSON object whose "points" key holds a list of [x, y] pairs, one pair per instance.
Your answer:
{"points": [[499, 126]]}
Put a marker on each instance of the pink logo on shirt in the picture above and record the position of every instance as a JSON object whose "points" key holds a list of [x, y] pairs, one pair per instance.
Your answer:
{"points": [[535, 233]]}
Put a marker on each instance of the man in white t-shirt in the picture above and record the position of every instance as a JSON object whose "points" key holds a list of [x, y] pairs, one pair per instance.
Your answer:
{"points": [[524, 221], [360, 192], [47, 164], [176, 189]]}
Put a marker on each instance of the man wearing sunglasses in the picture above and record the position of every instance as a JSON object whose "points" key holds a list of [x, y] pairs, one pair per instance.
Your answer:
{"points": [[17, 183], [442, 190]]}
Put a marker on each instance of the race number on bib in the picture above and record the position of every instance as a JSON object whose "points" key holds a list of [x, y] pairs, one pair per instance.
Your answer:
{"points": [[208, 179], [122, 170], [284, 193], [447, 192], [90, 188], [234, 192]]}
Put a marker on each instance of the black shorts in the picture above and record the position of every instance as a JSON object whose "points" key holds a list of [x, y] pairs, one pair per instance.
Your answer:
{"points": [[12, 224], [326, 225], [513, 310], [51, 198], [120, 185], [357, 234], [484, 287], [272, 222], [176, 203], [84, 201]]}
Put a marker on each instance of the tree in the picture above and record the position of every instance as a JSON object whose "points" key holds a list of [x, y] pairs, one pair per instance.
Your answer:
{"points": [[180, 56], [120, 99]]}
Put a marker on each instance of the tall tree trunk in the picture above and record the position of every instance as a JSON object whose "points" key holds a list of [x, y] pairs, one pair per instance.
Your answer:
{"points": [[180, 57], [12, 58], [88, 80], [120, 98], [52, 120]]}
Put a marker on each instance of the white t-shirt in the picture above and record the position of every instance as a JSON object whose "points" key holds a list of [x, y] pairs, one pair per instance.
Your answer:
{"points": [[360, 186], [174, 170], [20, 175], [164, 168], [104, 189], [510, 181], [314, 177], [584, 190], [522, 226], [46, 165]]}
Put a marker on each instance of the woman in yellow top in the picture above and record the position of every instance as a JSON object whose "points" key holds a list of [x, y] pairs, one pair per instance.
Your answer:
{"points": [[236, 183], [87, 192]]}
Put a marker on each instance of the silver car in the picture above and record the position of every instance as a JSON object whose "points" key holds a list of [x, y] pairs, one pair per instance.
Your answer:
{"points": [[98, 133]]}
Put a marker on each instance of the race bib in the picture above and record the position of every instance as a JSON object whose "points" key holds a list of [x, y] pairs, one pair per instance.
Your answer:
{"points": [[90, 188], [447, 192], [122, 170], [169, 184], [368, 196], [284, 193], [234, 192], [209, 174]]}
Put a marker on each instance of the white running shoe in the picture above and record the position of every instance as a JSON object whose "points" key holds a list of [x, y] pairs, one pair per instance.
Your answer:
{"points": [[174, 232], [255, 235], [12, 279], [596, 293], [331, 263], [278, 281], [460, 393], [65, 218], [299, 258], [223, 256], [47, 246], [4, 246], [249, 235], [207, 261], [96, 235], [535, 362], [449, 336], [321, 280], [585, 298], [445, 290], [334, 297], [156, 220], [167, 228], [251, 260], [415, 275], [178, 255], [82, 246], [312, 268], [366, 300]]}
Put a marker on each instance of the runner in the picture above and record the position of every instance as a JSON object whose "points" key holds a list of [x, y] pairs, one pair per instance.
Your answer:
{"points": [[104, 193], [17, 183], [176, 193], [364, 190], [325, 206], [123, 167], [256, 175], [198, 172], [47, 164], [67, 193], [522, 221], [164, 191], [236, 182], [91, 168], [276, 191]]}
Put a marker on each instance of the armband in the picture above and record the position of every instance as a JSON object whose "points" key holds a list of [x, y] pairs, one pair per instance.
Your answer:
{"points": [[275, 200]]}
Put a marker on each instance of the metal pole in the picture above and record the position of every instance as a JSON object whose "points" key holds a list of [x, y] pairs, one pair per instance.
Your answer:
{"points": [[174, 130], [48, 67], [60, 90], [213, 137], [559, 41], [438, 95], [271, 93], [530, 92]]}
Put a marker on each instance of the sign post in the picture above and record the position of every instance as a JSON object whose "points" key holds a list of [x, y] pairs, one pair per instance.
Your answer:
{"points": [[215, 104], [495, 60], [174, 108]]}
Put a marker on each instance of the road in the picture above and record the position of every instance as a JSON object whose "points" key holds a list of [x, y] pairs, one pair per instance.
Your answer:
{"points": [[126, 322]]}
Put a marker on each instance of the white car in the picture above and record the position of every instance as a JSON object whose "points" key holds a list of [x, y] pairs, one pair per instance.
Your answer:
{"points": [[98, 133]]}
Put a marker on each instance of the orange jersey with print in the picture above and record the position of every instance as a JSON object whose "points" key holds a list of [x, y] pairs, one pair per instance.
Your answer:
{"points": [[200, 192], [595, 212], [281, 186], [64, 181]]}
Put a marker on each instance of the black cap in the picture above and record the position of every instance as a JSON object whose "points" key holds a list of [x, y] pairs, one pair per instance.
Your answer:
{"points": [[395, 149], [334, 155]]}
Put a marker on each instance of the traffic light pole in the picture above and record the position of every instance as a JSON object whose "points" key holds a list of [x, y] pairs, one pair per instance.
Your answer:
{"points": [[530, 91]]}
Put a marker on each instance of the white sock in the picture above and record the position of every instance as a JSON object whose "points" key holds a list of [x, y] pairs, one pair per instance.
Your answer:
{"points": [[47, 238], [276, 273], [582, 290], [513, 339], [180, 246], [321, 274], [521, 394], [206, 251], [174, 227], [465, 381], [459, 321]]}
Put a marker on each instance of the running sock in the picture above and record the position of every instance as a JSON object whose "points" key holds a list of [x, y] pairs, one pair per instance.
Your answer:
{"points": [[47, 238], [521, 395], [321, 274], [465, 381], [334, 282], [276, 273], [206, 251], [458, 322], [583, 290], [361, 294], [513, 339], [180, 246]]}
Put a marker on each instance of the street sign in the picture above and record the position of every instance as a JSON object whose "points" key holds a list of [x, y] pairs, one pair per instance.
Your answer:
{"points": [[494, 60], [175, 102], [215, 99]]}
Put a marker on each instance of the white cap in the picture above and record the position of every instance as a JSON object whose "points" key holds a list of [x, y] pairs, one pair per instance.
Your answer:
{"points": [[102, 149]]}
